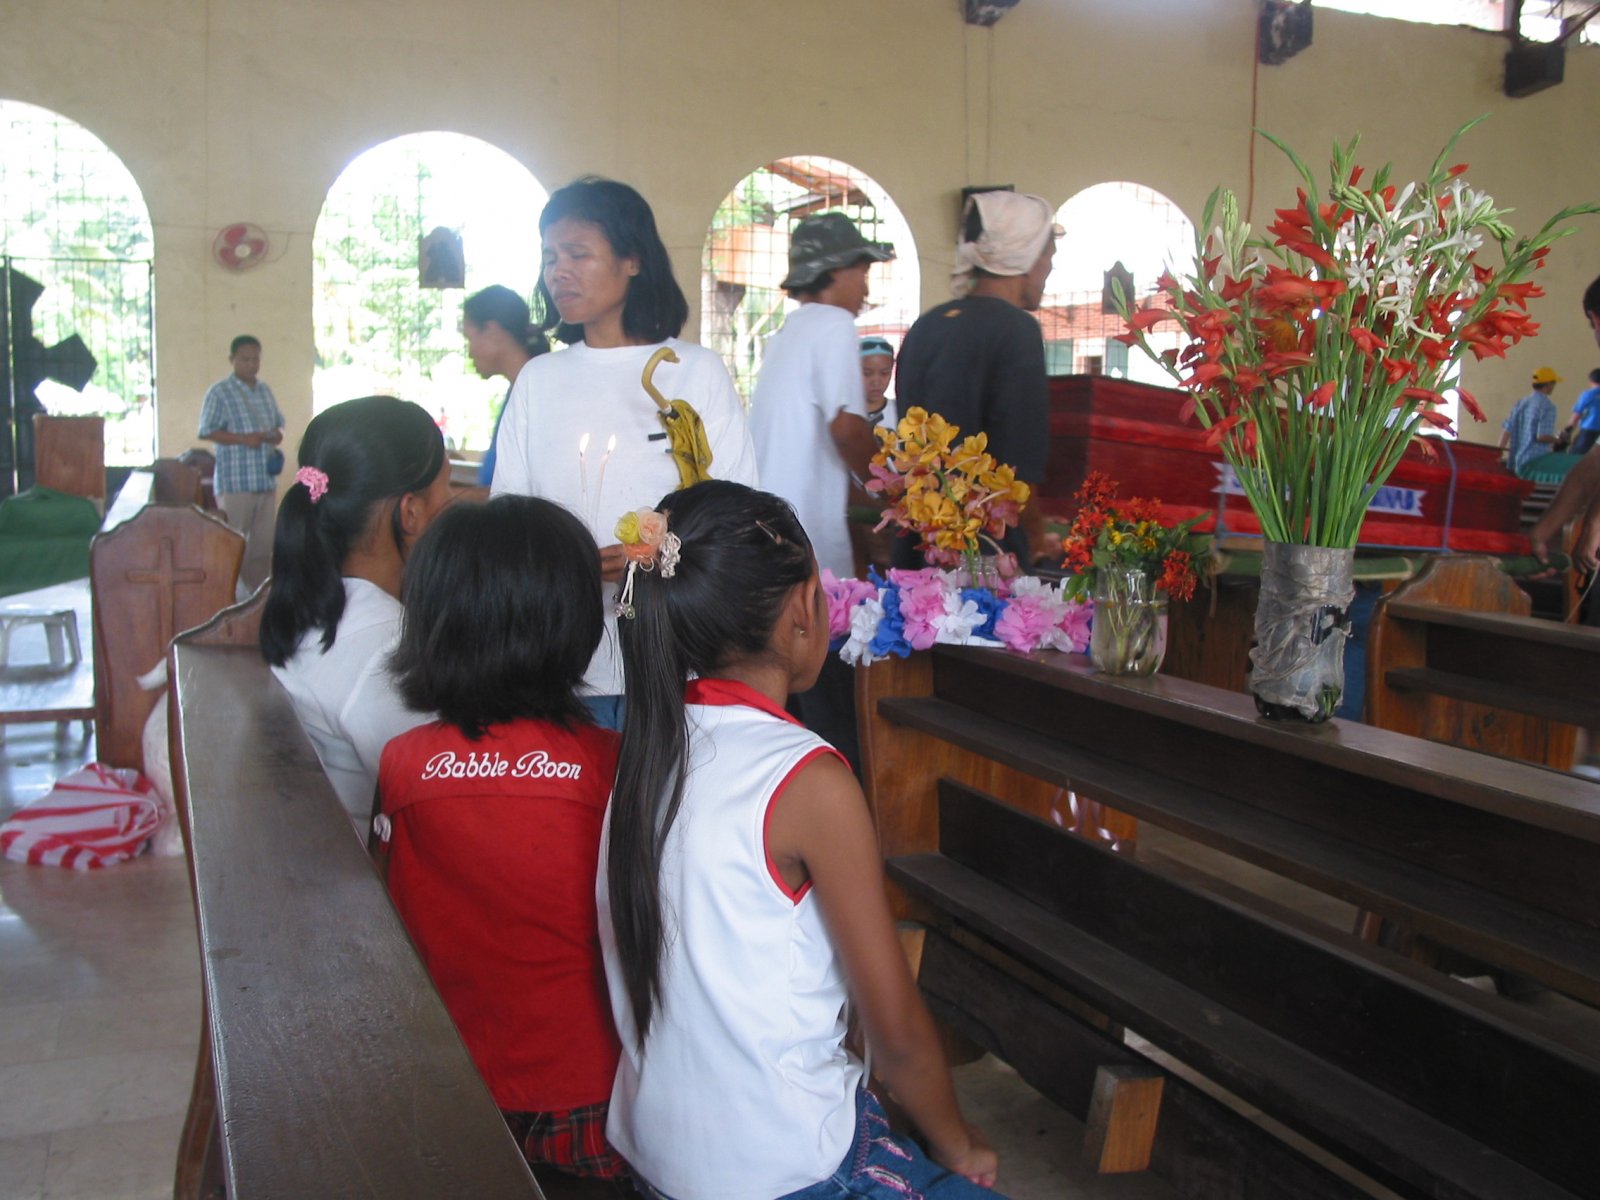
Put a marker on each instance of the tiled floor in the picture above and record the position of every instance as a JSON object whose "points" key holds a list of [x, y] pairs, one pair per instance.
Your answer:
{"points": [[99, 1009]]}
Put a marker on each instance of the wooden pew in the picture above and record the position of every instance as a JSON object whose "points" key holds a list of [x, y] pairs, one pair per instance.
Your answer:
{"points": [[1453, 656], [165, 570], [332, 1065], [1043, 945]]}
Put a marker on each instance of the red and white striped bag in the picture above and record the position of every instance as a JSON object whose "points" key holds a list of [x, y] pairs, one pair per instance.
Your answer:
{"points": [[93, 817]]}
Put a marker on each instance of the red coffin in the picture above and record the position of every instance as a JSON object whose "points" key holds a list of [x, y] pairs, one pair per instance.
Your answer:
{"points": [[1465, 500]]}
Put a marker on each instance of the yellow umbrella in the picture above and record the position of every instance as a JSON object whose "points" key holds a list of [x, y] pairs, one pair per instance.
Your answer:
{"points": [[686, 432]]}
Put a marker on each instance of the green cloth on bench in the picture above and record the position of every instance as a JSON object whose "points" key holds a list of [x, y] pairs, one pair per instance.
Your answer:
{"points": [[44, 539], [1549, 468]]}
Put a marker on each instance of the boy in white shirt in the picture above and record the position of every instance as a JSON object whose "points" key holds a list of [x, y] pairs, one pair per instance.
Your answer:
{"points": [[808, 416], [808, 420]]}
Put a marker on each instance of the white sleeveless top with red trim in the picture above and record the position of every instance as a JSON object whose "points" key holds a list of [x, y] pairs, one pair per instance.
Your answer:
{"points": [[745, 1088]]}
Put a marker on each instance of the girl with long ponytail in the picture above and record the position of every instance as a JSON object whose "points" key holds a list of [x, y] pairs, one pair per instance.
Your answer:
{"points": [[741, 890], [372, 476]]}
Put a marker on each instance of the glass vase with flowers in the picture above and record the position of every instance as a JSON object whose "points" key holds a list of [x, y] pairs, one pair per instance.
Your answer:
{"points": [[951, 494], [1119, 552]]}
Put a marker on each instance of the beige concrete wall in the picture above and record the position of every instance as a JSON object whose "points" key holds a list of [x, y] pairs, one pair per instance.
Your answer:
{"points": [[228, 110]]}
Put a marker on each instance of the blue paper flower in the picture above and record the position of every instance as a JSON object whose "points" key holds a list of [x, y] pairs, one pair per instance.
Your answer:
{"points": [[990, 605], [890, 638]]}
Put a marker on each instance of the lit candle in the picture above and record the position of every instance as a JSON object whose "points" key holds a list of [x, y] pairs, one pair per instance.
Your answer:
{"points": [[583, 472], [600, 484]]}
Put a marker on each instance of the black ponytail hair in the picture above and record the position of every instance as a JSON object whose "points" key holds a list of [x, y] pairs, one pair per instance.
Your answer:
{"points": [[655, 308], [501, 306], [742, 553], [371, 450], [503, 612]]}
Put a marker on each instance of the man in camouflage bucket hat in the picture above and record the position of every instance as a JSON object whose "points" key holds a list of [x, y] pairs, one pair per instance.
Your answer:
{"points": [[808, 420]]}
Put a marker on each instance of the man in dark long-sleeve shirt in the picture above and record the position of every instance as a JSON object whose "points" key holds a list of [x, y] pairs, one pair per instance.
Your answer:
{"points": [[978, 360]]}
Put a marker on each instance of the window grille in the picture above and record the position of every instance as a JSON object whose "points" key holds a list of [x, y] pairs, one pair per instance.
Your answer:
{"points": [[1106, 225], [73, 219], [747, 255], [1541, 19], [377, 329]]}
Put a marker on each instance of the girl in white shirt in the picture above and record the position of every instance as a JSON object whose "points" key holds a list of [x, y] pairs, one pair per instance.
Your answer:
{"points": [[741, 892], [372, 476], [607, 291]]}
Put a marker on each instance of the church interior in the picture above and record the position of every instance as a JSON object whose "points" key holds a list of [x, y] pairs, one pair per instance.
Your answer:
{"points": [[1429, 902]]}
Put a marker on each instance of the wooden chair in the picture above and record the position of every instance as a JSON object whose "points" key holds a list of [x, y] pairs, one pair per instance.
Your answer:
{"points": [[176, 482], [205, 462], [70, 456], [168, 569]]}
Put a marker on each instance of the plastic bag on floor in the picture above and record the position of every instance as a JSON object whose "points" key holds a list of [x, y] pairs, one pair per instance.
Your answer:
{"points": [[93, 817]]}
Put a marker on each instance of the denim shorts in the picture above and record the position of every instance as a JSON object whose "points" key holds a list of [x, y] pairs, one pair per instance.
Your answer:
{"points": [[879, 1166]]}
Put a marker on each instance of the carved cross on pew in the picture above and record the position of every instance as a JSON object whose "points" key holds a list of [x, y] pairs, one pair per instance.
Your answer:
{"points": [[166, 576]]}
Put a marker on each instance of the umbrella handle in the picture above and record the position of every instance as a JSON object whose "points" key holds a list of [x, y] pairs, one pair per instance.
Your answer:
{"points": [[650, 369]]}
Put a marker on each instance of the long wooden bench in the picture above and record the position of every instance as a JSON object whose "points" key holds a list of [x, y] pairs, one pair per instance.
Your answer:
{"points": [[332, 1064], [1453, 655], [1045, 945]]}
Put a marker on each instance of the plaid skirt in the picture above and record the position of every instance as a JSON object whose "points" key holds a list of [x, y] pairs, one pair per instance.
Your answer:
{"points": [[573, 1141]]}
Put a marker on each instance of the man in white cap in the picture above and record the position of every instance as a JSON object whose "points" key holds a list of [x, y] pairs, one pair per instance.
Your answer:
{"points": [[978, 360]]}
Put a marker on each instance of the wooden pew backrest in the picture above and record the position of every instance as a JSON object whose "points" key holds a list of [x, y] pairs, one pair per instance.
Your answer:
{"points": [[337, 1069], [167, 569]]}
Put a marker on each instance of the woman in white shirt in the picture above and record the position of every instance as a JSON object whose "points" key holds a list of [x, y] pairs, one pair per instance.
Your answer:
{"points": [[607, 291], [373, 474]]}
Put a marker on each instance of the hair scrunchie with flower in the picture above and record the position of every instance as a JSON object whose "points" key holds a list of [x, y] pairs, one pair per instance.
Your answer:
{"points": [[315, 481], [648, 545]]}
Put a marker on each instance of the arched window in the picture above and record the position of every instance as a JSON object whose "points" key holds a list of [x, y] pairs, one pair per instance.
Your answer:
{"points": [[388, 322], [73, 221], [747, 256], [1108, 224]]}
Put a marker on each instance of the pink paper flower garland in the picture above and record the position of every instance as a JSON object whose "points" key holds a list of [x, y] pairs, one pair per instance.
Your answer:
{"points": [[912, 610]]}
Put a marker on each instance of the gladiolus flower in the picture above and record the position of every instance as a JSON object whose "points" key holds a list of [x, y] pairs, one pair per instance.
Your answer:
{"points": [[1470, 402], [1232, 289], [1277, 363], [1321, 397], [1399, 368], [1285, 289], [1519, 293], [1217, 432], [1366, 341]]}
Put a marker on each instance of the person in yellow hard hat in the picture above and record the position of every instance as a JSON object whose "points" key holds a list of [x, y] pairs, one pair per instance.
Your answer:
{"points": [[1531, 427]]}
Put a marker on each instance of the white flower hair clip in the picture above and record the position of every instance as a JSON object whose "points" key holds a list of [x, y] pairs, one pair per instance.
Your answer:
{"points": [[648, 545]]}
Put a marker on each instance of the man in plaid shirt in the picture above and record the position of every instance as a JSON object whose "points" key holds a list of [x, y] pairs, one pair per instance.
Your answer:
{"points": [[241, 416], [1530, 430]]}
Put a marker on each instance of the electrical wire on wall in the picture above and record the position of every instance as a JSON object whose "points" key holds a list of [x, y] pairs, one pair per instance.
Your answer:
{"points": [[1255, 97]]}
